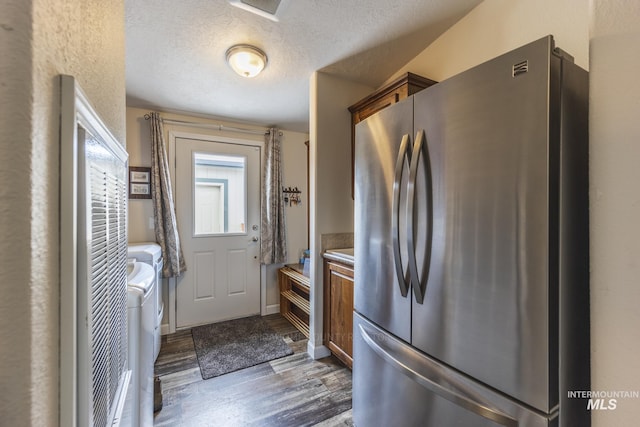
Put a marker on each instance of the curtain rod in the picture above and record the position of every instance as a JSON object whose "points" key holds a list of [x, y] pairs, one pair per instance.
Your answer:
{"points": [[212, 126]]}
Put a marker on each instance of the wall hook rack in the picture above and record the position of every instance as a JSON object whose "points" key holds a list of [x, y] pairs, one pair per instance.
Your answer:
{"points": [[292, 196]]}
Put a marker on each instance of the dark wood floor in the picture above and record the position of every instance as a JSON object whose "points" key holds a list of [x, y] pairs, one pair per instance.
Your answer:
{"points": [[292, 391]]}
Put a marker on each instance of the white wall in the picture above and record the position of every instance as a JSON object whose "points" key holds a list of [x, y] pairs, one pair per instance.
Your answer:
{"points": [[331, 201], [39, 40], [495, 27], [615, 205], [294, 159]]}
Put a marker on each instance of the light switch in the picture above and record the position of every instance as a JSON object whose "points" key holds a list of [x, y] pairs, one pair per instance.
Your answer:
{"points": [[151, 224]]}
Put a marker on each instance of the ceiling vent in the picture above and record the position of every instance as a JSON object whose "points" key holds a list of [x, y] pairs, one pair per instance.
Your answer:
{"points": [[269, 9]]}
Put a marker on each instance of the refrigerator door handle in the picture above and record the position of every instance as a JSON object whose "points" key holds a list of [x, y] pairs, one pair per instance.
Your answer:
{"points": [[401, 272], [419, 284], [447, 388]]}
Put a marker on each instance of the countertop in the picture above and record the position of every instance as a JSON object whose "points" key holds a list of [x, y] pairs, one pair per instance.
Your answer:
{"points": [[344, 255]]}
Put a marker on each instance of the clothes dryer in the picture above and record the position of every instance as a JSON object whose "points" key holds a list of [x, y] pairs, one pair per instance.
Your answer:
{"points": [[141, 325], [150, 253]]}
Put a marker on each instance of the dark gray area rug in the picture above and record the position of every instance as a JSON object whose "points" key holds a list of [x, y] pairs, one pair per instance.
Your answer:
{"points": [[236, 344]]}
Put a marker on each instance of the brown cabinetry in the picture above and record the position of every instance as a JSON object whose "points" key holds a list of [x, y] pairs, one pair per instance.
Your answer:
{"points": [[294, 296], [395, 91], [338, 310]]}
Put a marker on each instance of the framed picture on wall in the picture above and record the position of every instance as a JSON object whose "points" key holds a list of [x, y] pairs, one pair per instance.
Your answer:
{"points": [[139, 182]]}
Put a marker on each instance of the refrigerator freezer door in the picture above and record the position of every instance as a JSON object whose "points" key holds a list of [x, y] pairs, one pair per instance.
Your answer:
{"points": [[394, 385], [490, 308], [382, 156]]}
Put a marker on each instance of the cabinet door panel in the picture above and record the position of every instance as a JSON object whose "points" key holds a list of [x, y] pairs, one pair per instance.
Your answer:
{"points": [[338, 312], [342, 311]]}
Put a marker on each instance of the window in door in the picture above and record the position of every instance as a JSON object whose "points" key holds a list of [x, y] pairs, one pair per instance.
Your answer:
{"points": [[219, 194]]}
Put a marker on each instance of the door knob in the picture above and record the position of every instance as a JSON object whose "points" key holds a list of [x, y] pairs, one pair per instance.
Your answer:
{"points": [[255, 238]]}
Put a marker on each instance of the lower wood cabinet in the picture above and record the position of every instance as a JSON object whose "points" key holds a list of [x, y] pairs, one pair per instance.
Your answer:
{"points": [[338, 310]]}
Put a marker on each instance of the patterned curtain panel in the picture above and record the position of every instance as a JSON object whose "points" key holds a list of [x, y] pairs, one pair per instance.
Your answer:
{"points": [[273, 230], [164, 211]]}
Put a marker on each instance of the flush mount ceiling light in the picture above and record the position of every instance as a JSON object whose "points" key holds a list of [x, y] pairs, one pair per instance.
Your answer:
{"points": [[246, 60]]}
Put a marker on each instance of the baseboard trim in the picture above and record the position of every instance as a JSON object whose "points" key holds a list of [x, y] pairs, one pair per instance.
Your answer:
{"points": [[317, 352], [165, 328], [272, 309]]}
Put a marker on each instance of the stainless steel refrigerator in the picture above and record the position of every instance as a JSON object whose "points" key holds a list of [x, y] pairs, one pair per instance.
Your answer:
{"points": [[472, 249]]}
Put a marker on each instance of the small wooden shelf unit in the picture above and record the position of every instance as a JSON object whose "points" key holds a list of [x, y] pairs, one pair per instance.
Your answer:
{"points": [[294, 296]]}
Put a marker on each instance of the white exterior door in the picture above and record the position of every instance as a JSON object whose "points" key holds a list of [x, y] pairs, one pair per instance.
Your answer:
{"points": [[218, 210]]}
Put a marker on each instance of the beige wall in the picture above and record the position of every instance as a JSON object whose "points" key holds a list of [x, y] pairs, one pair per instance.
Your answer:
{"points": [[294, 159], [615, 205], [39, 40], [139, 148], [498, 26], [331, 201]]}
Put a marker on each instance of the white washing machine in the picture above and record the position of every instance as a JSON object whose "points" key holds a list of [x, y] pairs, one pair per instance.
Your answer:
{"points": [[150, 253], [141, 324]]}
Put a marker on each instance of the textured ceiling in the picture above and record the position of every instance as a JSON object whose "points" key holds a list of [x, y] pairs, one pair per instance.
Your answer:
{"points": [[176, 51]]}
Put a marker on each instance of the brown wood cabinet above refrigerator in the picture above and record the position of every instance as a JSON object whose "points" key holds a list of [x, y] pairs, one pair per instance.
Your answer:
{"points": [[399, 89]]}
